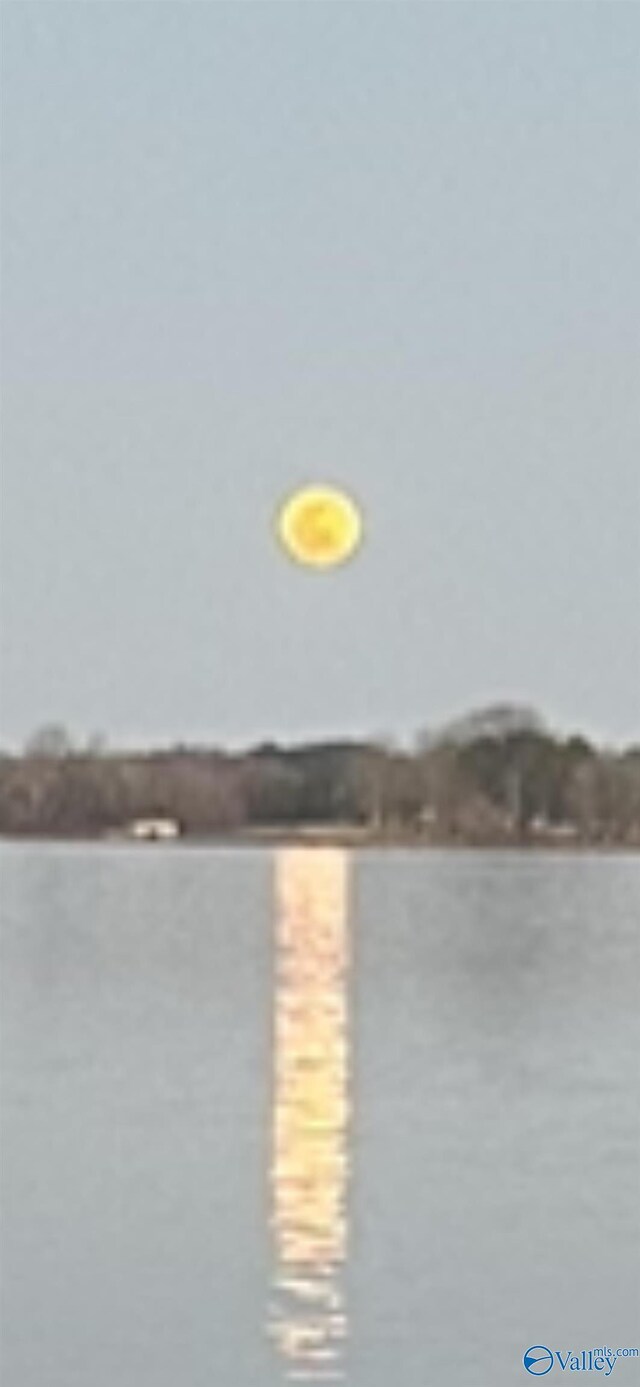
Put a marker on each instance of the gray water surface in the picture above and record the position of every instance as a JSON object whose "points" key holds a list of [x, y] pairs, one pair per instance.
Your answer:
{"points": [[368, 1117]]}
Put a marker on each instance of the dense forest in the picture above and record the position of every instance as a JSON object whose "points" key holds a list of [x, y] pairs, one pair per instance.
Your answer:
{"points": [[497, 776]]}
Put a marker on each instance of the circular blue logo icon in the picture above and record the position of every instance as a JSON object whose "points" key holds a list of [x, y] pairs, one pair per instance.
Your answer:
{"points": [[538, 1360]]}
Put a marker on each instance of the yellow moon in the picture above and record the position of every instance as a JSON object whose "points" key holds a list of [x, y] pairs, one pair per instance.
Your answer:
{"points": [[320, 526]]}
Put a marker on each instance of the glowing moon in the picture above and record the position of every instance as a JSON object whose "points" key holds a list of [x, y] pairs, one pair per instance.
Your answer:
{"points": [[320, 526]]}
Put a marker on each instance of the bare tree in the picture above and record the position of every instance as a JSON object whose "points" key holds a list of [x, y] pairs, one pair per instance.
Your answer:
{"points": [[51, 741]]}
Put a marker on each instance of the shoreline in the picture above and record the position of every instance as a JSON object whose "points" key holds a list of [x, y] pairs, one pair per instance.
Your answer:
{"points": [[329, 837]]}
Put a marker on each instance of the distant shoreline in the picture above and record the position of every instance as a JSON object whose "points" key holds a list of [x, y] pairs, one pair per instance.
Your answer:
{"points": [[497, 779], [325, 837]]}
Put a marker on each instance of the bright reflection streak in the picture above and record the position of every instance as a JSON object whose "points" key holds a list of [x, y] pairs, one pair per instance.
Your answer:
{"points": [[309, 1155]]}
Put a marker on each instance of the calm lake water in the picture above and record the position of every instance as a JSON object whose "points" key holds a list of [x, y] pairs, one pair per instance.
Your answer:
{"points": [[319, 1115]]}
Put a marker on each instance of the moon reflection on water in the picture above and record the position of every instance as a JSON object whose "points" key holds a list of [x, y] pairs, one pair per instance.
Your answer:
{"points": [[309, 1167]]}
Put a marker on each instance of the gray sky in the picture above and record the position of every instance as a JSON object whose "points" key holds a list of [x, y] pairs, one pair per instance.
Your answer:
{"points": [[249, 245]]}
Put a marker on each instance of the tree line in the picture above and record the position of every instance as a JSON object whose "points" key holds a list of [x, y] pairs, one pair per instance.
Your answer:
{"points": [[515, 785], [496, 782]]}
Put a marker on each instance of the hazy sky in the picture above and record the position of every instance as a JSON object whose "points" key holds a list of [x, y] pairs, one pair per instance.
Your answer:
{"points": [[248, 245]]}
